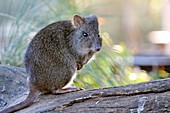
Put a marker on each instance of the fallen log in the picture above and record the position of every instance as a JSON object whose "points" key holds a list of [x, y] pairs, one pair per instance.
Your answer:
{"points": [[148, 97]]}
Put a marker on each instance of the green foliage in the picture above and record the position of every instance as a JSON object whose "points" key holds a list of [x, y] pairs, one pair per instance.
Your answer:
{"points": [[108, 69], [113, 66]]}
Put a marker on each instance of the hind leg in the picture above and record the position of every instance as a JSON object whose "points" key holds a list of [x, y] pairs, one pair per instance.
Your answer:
{"points": [[66, 90]]}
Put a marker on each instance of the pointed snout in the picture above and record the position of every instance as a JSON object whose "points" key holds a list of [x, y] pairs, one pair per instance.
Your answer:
{"points": [[97, 47], [97, 44]]}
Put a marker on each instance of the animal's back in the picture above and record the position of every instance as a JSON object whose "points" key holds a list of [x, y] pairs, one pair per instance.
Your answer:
{"points": [[47, 59]]}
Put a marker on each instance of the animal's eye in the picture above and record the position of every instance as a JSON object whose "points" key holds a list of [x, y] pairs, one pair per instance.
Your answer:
{"points": [[98, 35], [85, 34]]}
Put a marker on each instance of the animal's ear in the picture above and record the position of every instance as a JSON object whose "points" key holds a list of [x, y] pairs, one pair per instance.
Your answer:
{"points": [[77, 21], [93, 17]]}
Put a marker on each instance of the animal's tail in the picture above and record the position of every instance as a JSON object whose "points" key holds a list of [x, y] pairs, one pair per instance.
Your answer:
{"points": [[27, 102]]}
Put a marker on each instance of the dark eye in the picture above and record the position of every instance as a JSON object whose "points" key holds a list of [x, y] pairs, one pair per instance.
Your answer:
{"points": [[85, 34], [98, 35]]}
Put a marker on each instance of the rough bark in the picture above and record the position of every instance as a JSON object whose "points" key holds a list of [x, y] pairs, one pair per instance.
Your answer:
{"points": [[148, 97]]}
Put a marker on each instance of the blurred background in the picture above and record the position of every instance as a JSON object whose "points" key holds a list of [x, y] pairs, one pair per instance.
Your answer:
{"points": [[136, 37]]}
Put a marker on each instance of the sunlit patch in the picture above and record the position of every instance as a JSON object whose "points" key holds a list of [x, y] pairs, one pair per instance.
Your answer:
{"points": [[133, 76], [143, 76], [118, 48], [159, 37]]}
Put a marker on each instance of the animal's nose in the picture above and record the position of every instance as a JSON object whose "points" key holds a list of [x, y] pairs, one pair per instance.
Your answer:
{"points": [[97, 49]]}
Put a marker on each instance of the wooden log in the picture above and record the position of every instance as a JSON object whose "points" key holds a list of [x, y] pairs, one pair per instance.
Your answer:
{"points": [[148, 97]]}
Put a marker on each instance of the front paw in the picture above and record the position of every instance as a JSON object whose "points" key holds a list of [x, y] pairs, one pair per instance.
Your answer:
{"points": [[79, 66]]}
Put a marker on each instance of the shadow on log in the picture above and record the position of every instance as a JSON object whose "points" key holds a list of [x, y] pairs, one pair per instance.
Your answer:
{"points": [[148, 97]]}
